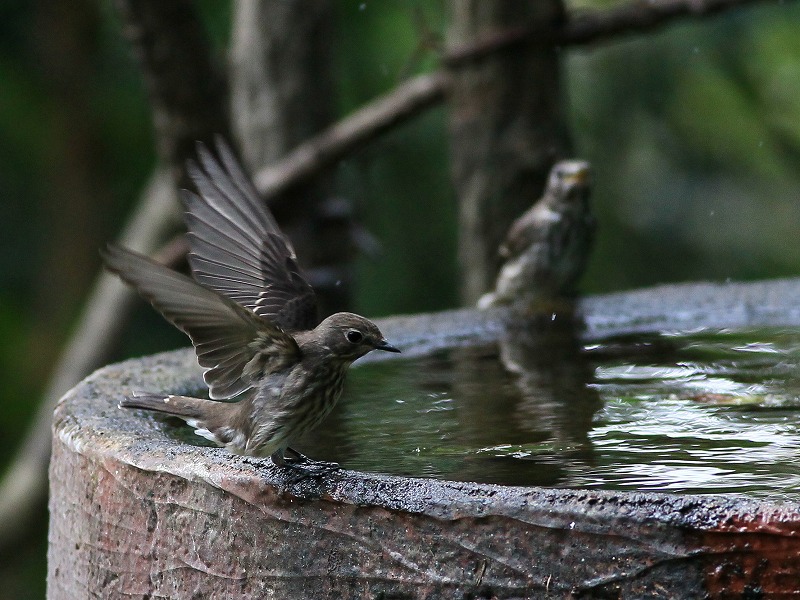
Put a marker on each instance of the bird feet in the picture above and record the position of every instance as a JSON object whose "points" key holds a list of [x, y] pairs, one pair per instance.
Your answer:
{"points": [[303, 466]]}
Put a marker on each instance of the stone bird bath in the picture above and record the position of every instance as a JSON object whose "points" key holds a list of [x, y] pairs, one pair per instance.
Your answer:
{"points": [[134, 513]]}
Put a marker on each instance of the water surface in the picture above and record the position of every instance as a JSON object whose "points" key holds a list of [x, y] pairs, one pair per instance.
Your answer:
{"points": [[701, 412]]}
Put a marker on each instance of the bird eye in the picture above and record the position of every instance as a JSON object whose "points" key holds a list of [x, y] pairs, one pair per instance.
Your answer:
{"points": [[353, 336]]}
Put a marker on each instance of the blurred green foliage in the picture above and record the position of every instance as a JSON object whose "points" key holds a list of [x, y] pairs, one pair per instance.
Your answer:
{"points": [[694, 133]]}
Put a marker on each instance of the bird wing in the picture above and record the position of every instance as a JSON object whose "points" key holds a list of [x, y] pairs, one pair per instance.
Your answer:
{"points": [[234, 345], [236, 247], [527, 229]]}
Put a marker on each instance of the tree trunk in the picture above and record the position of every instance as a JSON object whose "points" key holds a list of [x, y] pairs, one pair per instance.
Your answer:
{"points": [[187, 91], [506, 127], [281, 91]]}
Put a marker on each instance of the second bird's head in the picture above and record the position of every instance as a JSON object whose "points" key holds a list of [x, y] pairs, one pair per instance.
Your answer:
{"points": [[569, 176], [350, 336]]}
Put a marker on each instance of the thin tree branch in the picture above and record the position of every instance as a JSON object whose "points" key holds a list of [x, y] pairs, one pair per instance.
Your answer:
{"points": [[486, 45], [352, 132], [636, 17], [589, 26]]}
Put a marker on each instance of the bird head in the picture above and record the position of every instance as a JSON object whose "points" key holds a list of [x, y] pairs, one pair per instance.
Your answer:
{"points": [[351, 336], [567, 176]]}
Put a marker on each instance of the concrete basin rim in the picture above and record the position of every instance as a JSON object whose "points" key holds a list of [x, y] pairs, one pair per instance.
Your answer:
{"points": [[145, 447]]}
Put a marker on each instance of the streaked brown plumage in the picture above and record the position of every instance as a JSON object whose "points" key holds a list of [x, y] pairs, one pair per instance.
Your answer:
{"points": [[547, 248], [252, 318]]}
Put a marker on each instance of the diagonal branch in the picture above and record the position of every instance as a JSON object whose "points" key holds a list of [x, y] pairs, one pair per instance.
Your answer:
{"points": [[636, 16], [419, 93], [589, 26], [352, 132]]}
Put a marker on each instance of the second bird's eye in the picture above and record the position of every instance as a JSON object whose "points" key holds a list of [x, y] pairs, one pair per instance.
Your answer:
{"points": [[354, 336]]}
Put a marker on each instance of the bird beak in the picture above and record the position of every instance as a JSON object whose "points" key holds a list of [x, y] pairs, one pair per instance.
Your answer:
{"points": [[384, 345], [580, 176]]}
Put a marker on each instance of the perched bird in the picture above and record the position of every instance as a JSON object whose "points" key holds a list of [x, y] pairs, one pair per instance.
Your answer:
{"points": [[546, 249], [252, 318]]}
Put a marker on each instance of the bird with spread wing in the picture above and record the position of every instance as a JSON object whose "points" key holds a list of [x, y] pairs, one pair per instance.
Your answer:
{"points": [[252, 318]]}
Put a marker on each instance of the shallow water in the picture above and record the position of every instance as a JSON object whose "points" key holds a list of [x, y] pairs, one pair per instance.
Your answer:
{"points": [[702, 412]]}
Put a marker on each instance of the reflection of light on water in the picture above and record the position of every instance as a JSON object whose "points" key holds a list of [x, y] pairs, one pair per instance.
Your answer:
{"points": [[661, 427], [629, 372], [685, 376], [673, 477], [760, 347], [438, 404]]}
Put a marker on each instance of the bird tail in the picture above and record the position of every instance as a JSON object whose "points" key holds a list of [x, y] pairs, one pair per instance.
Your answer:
{"points": [[188, 409], [209, 418]]}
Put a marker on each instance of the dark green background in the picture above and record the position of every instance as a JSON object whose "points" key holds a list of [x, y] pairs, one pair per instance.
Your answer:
{"points": [[694, 133]]}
